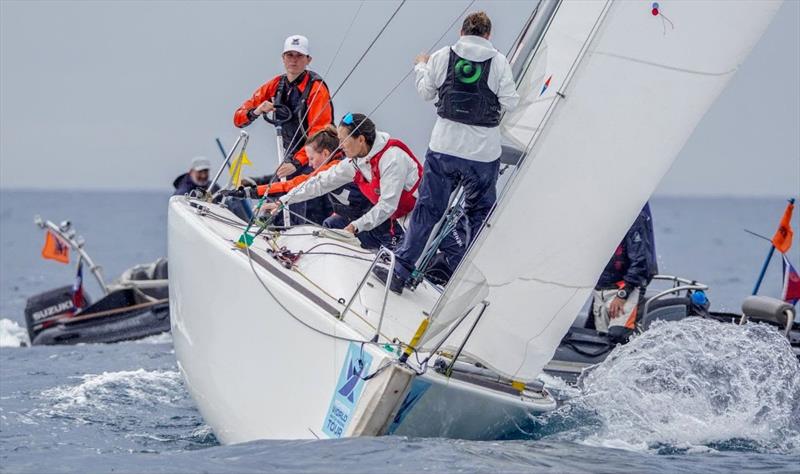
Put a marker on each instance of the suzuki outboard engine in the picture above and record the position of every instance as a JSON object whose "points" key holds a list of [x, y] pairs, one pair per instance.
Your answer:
{"points": [[42, 310]]}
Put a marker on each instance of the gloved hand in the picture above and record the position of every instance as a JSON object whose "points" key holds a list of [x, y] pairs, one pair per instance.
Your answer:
{"points": [[244, 192]]}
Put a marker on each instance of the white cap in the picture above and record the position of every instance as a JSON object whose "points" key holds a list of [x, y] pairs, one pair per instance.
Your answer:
{"points": [[200, 163], [297, 43]]}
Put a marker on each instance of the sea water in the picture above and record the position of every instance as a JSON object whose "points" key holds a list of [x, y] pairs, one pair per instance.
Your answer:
{"points": [[687, 397]]}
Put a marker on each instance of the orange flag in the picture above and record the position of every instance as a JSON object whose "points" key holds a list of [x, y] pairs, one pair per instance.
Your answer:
{"points": [[55, 249], [782, 240]]}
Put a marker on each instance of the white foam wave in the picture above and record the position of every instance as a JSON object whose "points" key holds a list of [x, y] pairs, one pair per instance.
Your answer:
{"points": [[12, 335], [163, 338], [143, 388], [557, 384], [693, 384]]}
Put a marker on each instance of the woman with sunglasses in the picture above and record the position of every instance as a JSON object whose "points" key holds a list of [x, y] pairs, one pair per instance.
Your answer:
{"points": [[339, 207], [385, 171]]}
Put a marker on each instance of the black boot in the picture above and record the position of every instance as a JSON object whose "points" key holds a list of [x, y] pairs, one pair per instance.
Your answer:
{"points": [[382, 273]]}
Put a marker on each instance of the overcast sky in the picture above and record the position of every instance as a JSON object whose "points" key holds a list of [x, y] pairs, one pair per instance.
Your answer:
{"points": [[122, 94]]}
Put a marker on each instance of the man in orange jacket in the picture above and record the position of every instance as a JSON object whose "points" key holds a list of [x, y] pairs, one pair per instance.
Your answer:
{"points": [[299, 92]]}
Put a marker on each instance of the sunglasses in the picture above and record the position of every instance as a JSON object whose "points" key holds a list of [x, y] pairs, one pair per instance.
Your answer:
{"points": [[348, 119]]}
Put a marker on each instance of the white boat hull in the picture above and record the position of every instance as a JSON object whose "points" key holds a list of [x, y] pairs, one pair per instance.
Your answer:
{"points": [[256, 372]]}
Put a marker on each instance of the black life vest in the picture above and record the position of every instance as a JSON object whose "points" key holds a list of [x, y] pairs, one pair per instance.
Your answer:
{"points": [[465, 96], [348, 201], [295, 131]]}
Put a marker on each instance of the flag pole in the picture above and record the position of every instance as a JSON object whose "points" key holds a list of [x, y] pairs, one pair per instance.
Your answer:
{"points": [[764, 269], [247, 211], [766, 262]]}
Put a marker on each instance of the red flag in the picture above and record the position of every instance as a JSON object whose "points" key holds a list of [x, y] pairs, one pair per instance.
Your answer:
{"points": [[791, 282], [78, 298], [782, 240], [55, 249]]}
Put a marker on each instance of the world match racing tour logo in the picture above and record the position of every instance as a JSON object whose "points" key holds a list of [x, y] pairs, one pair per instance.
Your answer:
{"points": [[347, 391], [468, 72], [354, 368]]}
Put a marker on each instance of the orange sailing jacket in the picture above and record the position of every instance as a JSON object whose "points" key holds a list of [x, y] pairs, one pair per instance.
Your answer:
{"points": [[320, 110], [280, 188]]}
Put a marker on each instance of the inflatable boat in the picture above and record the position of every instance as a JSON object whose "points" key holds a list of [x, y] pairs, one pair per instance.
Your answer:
{"points": [[135, 305]]}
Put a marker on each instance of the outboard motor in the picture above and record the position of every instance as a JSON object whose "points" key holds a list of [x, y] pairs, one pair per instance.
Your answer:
{"points": [[42, 310]]}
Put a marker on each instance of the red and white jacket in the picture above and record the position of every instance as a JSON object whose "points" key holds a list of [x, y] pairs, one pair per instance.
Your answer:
{"points": [[394, 194]]}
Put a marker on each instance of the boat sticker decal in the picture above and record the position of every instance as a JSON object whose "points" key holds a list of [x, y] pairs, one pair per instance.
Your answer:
{"points": [[545, 85], [418, 389], [348, 390]]}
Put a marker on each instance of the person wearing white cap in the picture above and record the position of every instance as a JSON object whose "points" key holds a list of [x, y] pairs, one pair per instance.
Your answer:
{"points": [[196, 178], [304, 93]]}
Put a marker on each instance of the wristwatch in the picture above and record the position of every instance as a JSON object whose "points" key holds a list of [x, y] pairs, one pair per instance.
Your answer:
{"points": [[294, 162], [622, 293]]}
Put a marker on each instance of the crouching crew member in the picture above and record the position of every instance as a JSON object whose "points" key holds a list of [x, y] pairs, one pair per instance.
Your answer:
{"points": [[385, 171], [622, 284], [347, 203], [474, 84]]}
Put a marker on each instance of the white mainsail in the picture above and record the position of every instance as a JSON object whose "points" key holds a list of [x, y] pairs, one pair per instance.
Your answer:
{"points": [[629, 81]]}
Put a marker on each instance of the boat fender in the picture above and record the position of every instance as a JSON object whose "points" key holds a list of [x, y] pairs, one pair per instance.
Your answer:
{"points": [[768, 309]]}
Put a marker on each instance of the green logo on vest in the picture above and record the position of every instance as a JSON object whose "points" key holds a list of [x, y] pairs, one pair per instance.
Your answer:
{"points": [[468, 72]]}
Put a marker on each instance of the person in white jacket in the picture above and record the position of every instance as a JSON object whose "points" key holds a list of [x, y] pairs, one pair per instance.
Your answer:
{"points": [[386, 172], [474, 86]]}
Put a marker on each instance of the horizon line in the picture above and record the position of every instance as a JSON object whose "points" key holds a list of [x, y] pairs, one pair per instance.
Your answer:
{"points": [[158, 190]]}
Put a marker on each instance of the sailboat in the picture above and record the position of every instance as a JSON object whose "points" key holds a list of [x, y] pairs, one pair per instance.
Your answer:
{"points": [[291, 337]]}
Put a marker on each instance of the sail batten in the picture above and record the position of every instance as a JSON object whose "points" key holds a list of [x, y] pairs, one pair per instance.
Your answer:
{"points": [[607, 102]]}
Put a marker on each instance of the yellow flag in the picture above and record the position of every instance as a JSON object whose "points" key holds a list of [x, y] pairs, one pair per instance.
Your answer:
{"points": [[236, 170]]}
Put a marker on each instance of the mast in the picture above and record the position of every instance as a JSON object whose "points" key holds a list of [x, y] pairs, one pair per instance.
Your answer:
{"points": [[609, 96], [524, 48]]}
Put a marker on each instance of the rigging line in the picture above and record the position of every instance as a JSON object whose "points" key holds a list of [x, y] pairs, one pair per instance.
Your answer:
{"points": [[334, 244], [355, 257], [758, 235], [330, 66], [364, 54], [298, 319], [447, 30], [357, 314], [346, 34], [294, 316], [550, 108], [249, 258], [275, 247], [525, 161], [352, 69], [524, 30]]}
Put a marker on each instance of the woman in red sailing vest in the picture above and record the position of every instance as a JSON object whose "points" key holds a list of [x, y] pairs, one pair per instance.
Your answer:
{"points": [[386, 172]]}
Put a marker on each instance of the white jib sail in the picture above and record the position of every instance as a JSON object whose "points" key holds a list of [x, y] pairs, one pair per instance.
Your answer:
{"points": [[629, 81]]}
